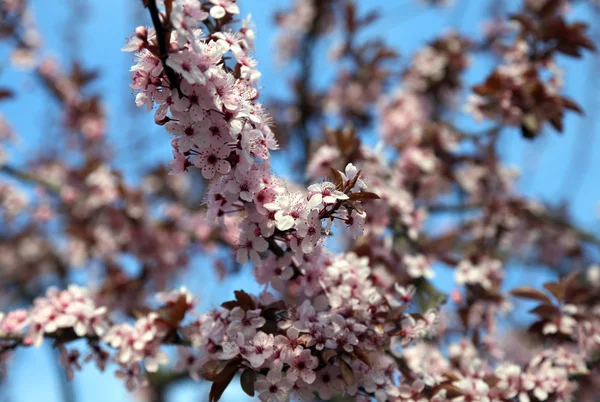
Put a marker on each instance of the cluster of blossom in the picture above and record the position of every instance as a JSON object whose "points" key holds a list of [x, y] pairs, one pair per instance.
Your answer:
{"points": [[295, 23], [354, 92], [55, 315], [332, 343], [434, 74], [72, 314], [6, 136], [223, 130], [83, 113], [343, 324], [104, 219], [13, 201], [466, 375], [17, 17], [525, 90]]}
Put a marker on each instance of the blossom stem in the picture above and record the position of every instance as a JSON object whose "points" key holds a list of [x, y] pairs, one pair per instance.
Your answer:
{"points": [[162, 38]]}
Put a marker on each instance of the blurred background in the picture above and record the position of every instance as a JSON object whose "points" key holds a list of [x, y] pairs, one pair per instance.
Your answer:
{"points": [[557, 169]]}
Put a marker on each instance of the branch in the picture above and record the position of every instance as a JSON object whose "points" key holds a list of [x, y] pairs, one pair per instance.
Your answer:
{"points": [[278, 251], [66, 335], [163, 38], [27, 177], [581, 233], [548, 218]]}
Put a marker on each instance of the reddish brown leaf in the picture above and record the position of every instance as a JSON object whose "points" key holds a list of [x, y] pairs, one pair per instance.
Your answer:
{"points": [[571, 105], [175, 313], [353, 181], [363, 196], [527, 292], [556, 289], [246, 302], [550, 8], [217, 389], [247, 380], [337, 179], [210, 369], [371, 17], [6, 94], [546, 311], [229, 305]]}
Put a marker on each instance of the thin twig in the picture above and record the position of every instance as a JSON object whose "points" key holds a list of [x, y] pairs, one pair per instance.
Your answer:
{"points": [[27, 177], [162, 36], [545, 217]]}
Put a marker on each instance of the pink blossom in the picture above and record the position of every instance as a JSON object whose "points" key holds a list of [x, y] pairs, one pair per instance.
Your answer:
{"points": [[212, 160], [221, 7], [245, 322], [274, 387], [302, 365], [310, 230]]}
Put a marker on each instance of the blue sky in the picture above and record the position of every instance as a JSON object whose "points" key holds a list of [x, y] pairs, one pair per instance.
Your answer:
{"points": [[545, 162]]}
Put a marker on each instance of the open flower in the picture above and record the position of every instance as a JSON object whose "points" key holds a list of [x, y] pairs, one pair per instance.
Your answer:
{"points": [[212, 160], [310, 230], [274, 387], [302, 365]]}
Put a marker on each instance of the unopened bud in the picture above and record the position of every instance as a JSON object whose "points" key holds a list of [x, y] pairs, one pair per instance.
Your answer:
{"points": [[141, 33]]}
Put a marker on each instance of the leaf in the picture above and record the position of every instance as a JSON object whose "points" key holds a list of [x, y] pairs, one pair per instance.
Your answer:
{"points": [[210, 369], [369, 18], [556, 122], [230, 370], [546, 311], [247, 380], [492, 85], [217, 389], [246, 302], [230, 305], [6, 94], [362, 356], [452, 391], [363, 196], [350, 17], [570, 280], [82, 77], [550, 8], [556, 289], [337, 179], [214, 371], [347, 373], [572, 289], [353, 182], [451, 376], [527, 292], [571, 105], [328, 355], [243, 300], [174, 313]]}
